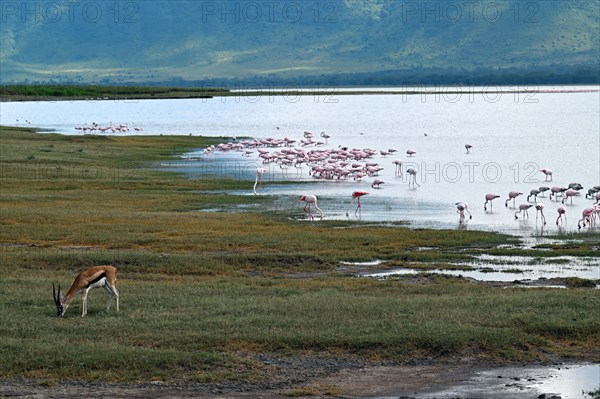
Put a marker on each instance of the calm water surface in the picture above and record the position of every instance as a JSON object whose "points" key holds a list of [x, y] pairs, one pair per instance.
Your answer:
{"points": [[513, 135]]}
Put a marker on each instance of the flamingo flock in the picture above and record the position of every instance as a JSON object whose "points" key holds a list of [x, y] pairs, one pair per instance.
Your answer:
{"points": [[110, 128], [343, 163]]}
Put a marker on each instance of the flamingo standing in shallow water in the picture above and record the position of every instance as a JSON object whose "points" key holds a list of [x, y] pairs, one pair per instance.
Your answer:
{"points": [[410, 153], [489, 197], [356, 196], [258, 180], [468, 148], [533, 193], [548, 173], [542, 190], [523, 208], [461, 207], [586, 216], [570, 194], [398, 164], [561, 211], [511, 196], [412, 176], [310, 199], [376, 183], [555, 190], [540, 209]]}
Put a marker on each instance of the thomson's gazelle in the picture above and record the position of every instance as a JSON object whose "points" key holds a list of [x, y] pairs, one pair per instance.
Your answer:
{"points": [[97, 276]]}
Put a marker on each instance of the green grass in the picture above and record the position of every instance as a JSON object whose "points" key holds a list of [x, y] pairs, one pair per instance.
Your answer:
{"points": [[203, 293], [194, 328], [39, 92]]}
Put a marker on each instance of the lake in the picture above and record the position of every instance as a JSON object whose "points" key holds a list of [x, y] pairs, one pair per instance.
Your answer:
{"points": [[513, 135]]}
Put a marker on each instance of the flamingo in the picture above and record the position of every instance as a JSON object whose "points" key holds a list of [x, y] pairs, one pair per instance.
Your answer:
{"points": [[325, 136], [548, 173], [376, 183], [523, 208], [489, 197], [258, 180], [540, 209], [561, 211], [511, 196], [398, 164], [461, 207], [468, 147], [543, 189], [570, 194], [310, 199], [586, 216], [591, 192], [413, 176], [555, 190], [533, 193], [410, 153], [356, 196], [575, 186]]}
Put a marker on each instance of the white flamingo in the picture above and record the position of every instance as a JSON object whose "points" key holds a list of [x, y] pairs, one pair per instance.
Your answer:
{"points": [[311, 199], [461, 208], [523, 208], [258, 180]]}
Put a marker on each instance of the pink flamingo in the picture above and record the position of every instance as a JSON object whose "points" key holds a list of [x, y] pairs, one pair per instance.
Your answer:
{"points": [[570, 194], [540, 209], [461, 207], [523, 208], [258, 180], [586, 216], [410, 153], [376, 183], [310, 199], [468, 148], [356, 196], [511, 196], [548, 173], [561, 211], [398, 164], [489, 197], [412, 176], [555, 190]]}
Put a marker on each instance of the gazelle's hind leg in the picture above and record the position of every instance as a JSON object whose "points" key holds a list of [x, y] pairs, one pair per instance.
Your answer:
{"points": [[84, 294], [113, 293]]}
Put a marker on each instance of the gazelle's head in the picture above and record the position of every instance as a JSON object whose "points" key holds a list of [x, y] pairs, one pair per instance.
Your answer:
{"points": [[60, 309]]}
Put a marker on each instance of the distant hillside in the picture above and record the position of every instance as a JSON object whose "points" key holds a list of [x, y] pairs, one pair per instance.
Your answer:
{"points": [[165, 41]]}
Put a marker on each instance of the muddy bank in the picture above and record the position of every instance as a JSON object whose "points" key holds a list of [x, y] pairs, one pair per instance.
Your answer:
{"points": [[564, 381]]}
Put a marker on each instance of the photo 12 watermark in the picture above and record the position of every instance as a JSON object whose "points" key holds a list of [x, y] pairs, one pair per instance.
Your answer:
{"points": [[316, 12], [526, 12], [93, 12]]}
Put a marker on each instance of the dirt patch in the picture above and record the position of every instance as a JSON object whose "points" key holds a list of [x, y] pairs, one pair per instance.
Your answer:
{"points": [[439, 381]]}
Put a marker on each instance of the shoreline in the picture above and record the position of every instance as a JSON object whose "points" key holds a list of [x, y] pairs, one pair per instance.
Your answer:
{"points": [[194, 93]]}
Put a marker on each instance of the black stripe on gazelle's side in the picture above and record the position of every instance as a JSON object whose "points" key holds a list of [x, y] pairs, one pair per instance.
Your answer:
{"points": [[94, 281]]}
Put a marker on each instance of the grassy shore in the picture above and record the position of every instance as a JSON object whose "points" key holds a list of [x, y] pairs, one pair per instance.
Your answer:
{"points": [[101, 92], [208, 296]]}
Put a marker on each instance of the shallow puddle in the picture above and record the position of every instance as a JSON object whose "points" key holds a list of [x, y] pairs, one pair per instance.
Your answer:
{"points": [[511, 268], [564, 382]]}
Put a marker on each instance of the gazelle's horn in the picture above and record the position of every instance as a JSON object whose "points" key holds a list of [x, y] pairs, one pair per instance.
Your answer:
{"points": [[54, 293]]}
